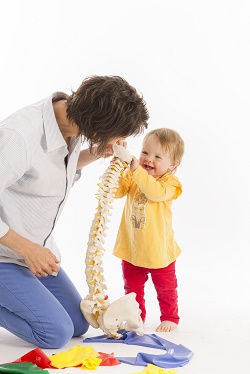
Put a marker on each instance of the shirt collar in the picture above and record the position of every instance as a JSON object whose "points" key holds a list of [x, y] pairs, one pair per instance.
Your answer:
{"points": [[53, 134]]}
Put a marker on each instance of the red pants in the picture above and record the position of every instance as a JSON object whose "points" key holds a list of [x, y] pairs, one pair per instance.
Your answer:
{"points": [[165, 283]]}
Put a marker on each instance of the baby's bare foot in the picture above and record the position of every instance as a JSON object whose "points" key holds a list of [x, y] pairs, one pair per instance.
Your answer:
{"points": [[166, 326]]}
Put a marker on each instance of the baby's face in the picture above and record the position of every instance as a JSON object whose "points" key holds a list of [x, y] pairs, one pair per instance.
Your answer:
{"points": [[153, 158]]}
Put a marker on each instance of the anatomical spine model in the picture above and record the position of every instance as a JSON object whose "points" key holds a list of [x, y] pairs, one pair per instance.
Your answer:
{"points": [[96, 306]]}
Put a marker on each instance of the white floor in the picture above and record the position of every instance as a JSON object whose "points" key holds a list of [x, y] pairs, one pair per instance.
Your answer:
{"points": [[220, 344]]}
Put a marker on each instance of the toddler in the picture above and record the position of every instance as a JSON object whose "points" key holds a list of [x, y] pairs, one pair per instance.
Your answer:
{"points": [[145, 240]]}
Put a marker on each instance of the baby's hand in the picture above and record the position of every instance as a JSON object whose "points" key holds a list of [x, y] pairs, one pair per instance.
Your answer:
{"points": [[134, 164]]}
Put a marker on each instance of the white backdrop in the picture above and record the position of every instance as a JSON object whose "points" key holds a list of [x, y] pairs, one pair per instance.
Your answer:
{"points": [[191, 60]]}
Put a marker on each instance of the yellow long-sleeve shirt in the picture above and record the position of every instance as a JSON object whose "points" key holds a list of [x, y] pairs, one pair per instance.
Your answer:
{"points": [[145, 237]]}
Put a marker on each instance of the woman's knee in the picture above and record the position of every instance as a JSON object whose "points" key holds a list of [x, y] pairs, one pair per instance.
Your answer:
{"points": [[81, 326], [57, 335]]}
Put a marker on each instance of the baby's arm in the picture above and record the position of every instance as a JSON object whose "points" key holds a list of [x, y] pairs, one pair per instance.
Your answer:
{"points": [[134, 164], [166, 188]]}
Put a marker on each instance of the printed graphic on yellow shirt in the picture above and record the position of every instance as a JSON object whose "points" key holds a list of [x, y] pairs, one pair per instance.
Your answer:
{"points": [[139, 211]]}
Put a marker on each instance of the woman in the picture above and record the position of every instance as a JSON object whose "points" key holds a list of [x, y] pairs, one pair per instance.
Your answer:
{"points": [[40, 158]]}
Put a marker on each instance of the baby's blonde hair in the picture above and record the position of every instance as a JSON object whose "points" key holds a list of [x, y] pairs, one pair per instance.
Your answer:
{"points": [[171, 142]]}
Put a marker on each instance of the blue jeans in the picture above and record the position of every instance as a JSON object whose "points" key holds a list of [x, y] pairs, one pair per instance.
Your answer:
{"points": [[43, 311]]}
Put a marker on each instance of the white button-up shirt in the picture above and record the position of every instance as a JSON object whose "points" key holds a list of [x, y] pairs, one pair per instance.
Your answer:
{"points": [[35, 175]]}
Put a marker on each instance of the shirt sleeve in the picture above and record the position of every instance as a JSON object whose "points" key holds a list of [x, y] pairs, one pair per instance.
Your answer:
{"points": [[124, 185], [13, 164], [167, 187]]}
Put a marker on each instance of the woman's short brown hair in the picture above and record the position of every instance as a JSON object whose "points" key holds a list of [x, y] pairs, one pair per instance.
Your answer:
{"points": [[106, 107]]}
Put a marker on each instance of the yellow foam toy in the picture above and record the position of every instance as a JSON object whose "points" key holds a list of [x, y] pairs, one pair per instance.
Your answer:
{"points": [[85, 356], [153, 369]]}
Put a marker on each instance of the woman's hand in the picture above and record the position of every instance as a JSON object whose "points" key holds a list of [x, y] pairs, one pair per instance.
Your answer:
{"points": [[109, 150], [41, 261], [122, 142]]}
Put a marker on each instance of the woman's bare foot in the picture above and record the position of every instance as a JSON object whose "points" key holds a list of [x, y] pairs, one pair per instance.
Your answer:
{"points": [[166, 326]]}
